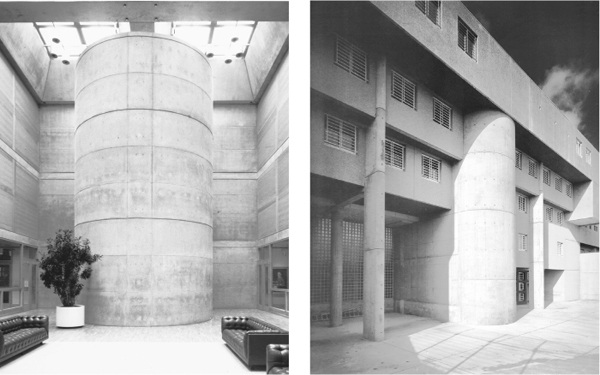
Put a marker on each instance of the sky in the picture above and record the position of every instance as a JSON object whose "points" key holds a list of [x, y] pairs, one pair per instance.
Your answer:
{"points": [[556, 44]]}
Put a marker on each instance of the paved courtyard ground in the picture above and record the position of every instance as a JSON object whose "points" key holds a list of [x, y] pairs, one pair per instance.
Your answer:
{"points": [[186, 349], [561, 339]]}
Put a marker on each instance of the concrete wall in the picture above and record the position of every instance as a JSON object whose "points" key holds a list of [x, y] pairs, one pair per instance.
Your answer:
{"points": [[423, 279], [56, 180], [523, 225], [567, 287], [589, 276], [19, 156], [272, 122]]}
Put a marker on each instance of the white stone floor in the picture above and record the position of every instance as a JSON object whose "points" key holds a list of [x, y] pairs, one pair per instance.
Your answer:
{"points": [[194, 348], [561, 339]]}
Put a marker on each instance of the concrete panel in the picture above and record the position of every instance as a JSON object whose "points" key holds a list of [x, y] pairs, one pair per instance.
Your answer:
{"points": [[231, 82], [57, 129], [25, 47], [269, 43], [589, 281], [60, 84], [235, 284], [27, 126], [143, 155], [6, 101]]}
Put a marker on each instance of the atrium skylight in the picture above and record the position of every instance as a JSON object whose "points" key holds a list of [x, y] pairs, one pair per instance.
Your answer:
{"points": [[67, 40]]}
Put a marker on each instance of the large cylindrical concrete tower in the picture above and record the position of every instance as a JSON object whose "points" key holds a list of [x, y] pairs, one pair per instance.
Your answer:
{"points": [[485, 219], [143, 179]]}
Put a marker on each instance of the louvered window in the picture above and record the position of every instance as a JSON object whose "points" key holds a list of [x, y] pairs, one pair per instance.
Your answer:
{"points": [[558, 182], [467, 39], [578, 147], [569, 188], [431, 9], [522, 242], [394, 154], [532, 168], [351, 58], [442, 114], [588, 156], [559, 248], [560, 217], [431, 168], [340, 134], [518, 159], [547, 176], [522, 202], [549, 213], [404, 90]]}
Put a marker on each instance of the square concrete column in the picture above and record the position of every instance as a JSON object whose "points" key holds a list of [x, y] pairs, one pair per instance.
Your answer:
{"points": [[374, 217], [337, 269], [537, 214]]}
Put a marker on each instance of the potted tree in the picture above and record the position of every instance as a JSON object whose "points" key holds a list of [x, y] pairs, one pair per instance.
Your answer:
{"points": [[68, 260]]}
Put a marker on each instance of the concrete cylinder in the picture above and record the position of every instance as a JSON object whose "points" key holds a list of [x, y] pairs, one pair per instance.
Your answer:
{"points": [[143, 179], [485, 219]]}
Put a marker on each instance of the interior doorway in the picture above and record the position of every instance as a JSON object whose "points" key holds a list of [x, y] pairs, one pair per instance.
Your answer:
{"points": [[273, 278], [18, 277]]}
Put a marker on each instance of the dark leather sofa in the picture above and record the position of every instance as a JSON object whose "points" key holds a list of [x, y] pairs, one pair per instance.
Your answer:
{"points": [[278, 359], [248, 338], [20, 333]]}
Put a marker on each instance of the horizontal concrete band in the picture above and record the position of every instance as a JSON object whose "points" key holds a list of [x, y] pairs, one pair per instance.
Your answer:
{"points": [[143, 91]]}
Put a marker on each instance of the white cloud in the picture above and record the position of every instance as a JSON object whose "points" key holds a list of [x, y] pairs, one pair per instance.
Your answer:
{"points": [[568, 87]]}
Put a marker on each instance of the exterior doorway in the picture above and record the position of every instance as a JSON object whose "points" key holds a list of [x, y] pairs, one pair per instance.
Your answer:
{"points": [[273, 278]]}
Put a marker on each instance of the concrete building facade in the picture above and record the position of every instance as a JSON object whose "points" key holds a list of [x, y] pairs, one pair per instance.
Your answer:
{"points": [[444, 183], [171, 158]]}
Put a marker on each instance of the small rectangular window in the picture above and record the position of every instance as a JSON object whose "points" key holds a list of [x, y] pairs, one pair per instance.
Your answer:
{"points": [[442, 114], [522, 242], [547, 176], [522, 203], [533, 168], [467, 39], [588, 156], [340, 134], [595, 228], [351, 58], [559, 248], [431, 168], [578, 147], [549, 213], [404, 90], [558, 183], [518, 159], [569, 188], [560, 217], [431, 9], [394, 154]]}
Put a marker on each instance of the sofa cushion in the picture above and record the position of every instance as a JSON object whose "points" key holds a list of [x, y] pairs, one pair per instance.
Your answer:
{"points": [[279, 370], [17, 340], [11, 324], [235, 339]]}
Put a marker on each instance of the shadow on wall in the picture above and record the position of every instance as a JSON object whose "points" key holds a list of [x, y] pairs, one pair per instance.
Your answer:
{"points": [[552, 286]]}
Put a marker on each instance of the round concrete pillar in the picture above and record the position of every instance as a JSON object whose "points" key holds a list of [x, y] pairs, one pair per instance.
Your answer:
{"points": [[485, 219], [143, 179]]}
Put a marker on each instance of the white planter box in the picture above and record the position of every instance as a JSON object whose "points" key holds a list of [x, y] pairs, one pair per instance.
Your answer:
{"points": [[70, 317]]}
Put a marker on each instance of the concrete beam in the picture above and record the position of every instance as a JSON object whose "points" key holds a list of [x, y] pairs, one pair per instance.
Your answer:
{"points": [[337, 269], [142, 11]]}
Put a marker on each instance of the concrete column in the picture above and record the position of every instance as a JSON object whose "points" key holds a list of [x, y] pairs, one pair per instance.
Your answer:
{"points": [[337, 269], [484, 191], [143, 179], [537, 273], [374, 217]]}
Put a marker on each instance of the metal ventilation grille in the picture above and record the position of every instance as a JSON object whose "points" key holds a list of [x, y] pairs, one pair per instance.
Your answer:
{"points": [[442, 114], [533, 168], [559, 248], [430, 168], [394, 154], [404, 90], [578, 147], [467, 39], [547, 176], [549, 213], [588, 156], [522, 242], [522, 202], [518, 159], [340, 134], [569, 190], [558, 182], [351, 58], [560, 217], [431, 9]]}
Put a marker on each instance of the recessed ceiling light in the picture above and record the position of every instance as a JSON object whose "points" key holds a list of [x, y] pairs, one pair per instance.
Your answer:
{"points": [[210, 54], [234, 39], [56, 40], [239, 54], [66, 62], [53, 55], [228, 61]]}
